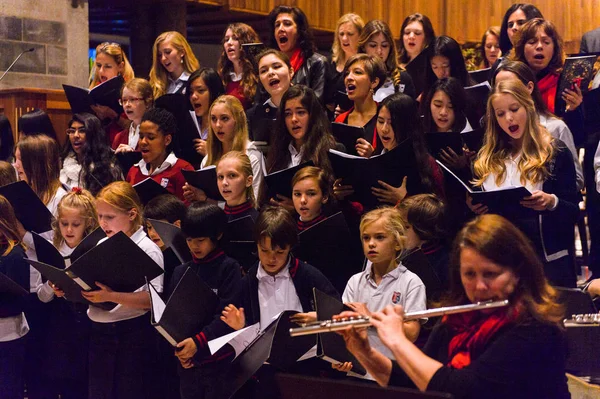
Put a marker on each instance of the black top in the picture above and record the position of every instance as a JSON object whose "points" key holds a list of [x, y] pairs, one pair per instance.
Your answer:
{"points": [[223, 275], [17, 269], [521, 361], [261, 122], [312, 73], [305, 278]]}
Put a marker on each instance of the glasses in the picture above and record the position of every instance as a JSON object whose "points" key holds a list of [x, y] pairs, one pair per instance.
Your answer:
{"points": [[124, 101], [81, 130]]}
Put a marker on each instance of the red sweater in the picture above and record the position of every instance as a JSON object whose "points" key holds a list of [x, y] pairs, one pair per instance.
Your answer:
{"points": [[172, 177], [123, 138]]}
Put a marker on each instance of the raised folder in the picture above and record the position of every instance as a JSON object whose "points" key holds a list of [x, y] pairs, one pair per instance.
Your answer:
{"points": [[173, 238], [347, 135], [148, 189], [477, 96], [128, 159], [331, 347], [107, 93], [238, 241], [505, 201], [47, 253], [116, 262], [363, 173], [206, 180], [29, 209], [576, 71], [437, 142], [280, 182], [273, 345], [190, 307]]}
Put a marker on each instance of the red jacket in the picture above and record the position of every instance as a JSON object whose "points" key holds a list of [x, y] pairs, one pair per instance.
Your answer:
{"points": [[171, 178]]}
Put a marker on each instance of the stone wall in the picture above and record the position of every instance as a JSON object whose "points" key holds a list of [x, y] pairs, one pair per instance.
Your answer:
{"points": [[58, 33]]}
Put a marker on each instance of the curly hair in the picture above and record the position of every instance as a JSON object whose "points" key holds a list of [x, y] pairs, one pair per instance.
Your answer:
{"points": [[98, 163], [244, 34], [305, 42], [166, 122], [82, 201]]}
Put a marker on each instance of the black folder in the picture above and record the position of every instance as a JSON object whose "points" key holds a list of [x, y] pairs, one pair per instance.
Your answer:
{"points": [[190, 307], [473, 139], [363, 173], [238, 241], [293, 386], [503, 201], [8, 286], [583, 343], [48, 254], [417, 69], [29, 209], [576, 70], [576, 301], [117, 262], [173, 238], [280, 182], [347, 135], [341, 99], [128, 159], [148, 189], [107, 93], [331, 346], [206, 180], [437, 142], [477, 97], [273, 345], [481, 75], [327, 245]]}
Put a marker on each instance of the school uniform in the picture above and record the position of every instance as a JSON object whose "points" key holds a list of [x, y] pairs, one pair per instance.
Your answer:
{"points": [[223, 275], [234, 88], [551, 231], [178, 85], [398, 287], [123, 344], [261, 121], [167, 175], [237, 241], [13, 326], [406, 86], [240, 211], [302, 225], [130, 136]]}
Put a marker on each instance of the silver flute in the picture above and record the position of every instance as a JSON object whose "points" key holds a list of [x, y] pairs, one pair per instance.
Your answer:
{"points": [[324, 326]]}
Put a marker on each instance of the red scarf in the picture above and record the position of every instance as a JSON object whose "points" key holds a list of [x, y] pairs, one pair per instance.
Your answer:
{"points": [[548, 85], [297, 59], [472, 332]]}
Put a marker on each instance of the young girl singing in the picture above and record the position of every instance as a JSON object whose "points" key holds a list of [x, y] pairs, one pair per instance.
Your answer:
{"points": [[310, 193], [518, 151], [136, 98], [234, 179], [122, 342]]}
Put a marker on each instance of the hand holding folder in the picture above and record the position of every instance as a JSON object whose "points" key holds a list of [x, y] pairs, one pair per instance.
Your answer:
{"points": [[206, 180], [107, 94]]}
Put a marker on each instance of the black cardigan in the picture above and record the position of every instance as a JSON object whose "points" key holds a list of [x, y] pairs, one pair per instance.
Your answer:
{"points": [[17, 269], [305, 278], [522, 361]]}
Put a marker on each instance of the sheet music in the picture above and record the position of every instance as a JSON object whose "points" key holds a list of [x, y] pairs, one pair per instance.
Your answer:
{"points": [[193, 115], [239, 339], [158, 306]]}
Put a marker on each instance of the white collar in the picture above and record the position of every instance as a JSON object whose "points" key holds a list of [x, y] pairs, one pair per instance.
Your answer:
{"points": [[394, 274], [169, 162], [269, 102], [283, 273], [139, 235], [293, 151], [182, 78]]}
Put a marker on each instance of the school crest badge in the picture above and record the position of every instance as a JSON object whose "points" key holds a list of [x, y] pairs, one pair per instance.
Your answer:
{"points": [[396, 297], [164, 182]]}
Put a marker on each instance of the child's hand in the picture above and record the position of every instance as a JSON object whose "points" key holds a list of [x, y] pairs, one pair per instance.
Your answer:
{"points": [[104, 294], [285, 202], [478, 209], [303, 318], [234, 317], [123, 148], [200, 146], [191, 193], [57, 291], [364, 148], [389, 194], [343, 367], [359, 307], [186, 350], [341, 191]]}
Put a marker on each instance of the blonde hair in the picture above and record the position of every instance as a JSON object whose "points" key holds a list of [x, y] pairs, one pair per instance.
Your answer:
{"points": [[41, 163], [117, 53], [537, 147], [141, 86], [81, 200], [122, 196], [393, 223], [158, 74], [240, 137], [8, 226], [338, 56], [245, 168], [312, 172]]}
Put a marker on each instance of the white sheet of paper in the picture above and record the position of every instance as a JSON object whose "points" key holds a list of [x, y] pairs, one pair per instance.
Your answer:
{"points": [[158, 306]]}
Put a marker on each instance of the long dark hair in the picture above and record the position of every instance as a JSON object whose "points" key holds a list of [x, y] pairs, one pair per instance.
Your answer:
{"points": [[211, 79], [445, 46], [305, 42], [530, 12], [34, 123], [7, 140], [428, 32], [318, 139], [406, 124], [454, 90], [98, 166]]}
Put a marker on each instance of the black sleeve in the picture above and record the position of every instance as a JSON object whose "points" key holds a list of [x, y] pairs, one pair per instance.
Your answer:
{"points": [[565, 186], [318, 72], [16, 268], [409, 86]]}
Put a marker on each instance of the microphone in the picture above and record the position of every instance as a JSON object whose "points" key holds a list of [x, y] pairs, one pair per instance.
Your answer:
{"points": [[15, 61]]}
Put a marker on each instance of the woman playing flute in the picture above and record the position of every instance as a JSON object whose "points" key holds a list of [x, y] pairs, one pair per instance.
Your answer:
{"points": [[516, 351]]}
